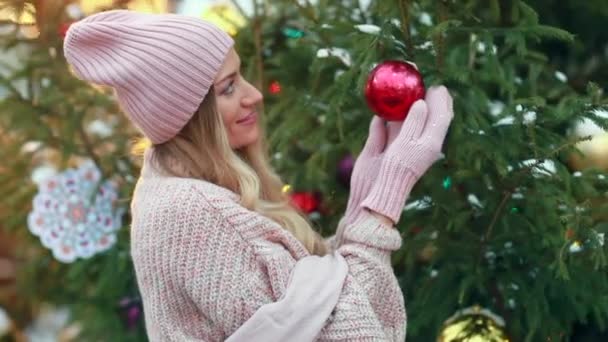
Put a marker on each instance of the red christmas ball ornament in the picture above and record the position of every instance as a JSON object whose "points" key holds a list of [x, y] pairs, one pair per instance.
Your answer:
{"points": [[275, 87], [392, 88], [307, 202], [63, 28]]}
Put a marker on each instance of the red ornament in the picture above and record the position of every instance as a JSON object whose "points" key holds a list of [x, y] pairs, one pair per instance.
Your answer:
{"points": [[63, 29], [392, 88], [275, 87], [307, 202]]}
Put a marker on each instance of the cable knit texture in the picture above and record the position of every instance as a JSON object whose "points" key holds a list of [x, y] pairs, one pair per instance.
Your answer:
{"points": [[205, 265], [160, 66]]}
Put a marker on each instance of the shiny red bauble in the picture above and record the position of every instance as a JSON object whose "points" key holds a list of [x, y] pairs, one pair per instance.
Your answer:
{"points": [[392, 88], [307, 202]]}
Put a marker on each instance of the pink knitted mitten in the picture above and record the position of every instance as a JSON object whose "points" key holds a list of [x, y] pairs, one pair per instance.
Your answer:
{"points": [[414, 150], [367, 164]]}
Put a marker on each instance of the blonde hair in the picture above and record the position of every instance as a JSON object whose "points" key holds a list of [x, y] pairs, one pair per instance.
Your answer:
{"points": [[202, 151]]}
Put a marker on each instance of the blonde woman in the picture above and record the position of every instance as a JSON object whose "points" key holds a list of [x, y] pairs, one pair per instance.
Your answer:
{"points": [[218, 251]]}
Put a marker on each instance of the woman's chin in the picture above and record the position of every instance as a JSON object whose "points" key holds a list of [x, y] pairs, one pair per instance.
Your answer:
{"points": [[243, 143]]}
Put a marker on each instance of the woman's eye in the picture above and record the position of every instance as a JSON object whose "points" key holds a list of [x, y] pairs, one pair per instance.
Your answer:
{"points": [[230, 88]]}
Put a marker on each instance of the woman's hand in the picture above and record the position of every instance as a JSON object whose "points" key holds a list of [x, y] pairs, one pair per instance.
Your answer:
{"points": [[414, 149], [366, 166]]}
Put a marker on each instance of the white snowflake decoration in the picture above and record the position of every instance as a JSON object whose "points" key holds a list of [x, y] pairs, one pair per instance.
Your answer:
{"points": [[73, 216], [42, 173]]}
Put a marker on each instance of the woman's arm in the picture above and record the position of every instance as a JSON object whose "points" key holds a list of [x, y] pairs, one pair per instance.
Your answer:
{"points": [[238, 273], [334, 241], [311, 295]]}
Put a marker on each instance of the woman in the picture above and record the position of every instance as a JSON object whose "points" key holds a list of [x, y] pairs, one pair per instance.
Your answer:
{"points": [[219, 253]]}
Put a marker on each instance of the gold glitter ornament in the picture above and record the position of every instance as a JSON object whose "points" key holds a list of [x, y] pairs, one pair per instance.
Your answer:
{"points": [[473, 324]]}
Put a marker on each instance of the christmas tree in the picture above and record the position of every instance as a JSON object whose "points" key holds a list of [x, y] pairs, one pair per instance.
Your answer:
{"points": [[503, 237], [502, 223]]}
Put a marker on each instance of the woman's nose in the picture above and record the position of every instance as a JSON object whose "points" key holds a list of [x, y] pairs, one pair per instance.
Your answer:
{"points": [[252, 97]]}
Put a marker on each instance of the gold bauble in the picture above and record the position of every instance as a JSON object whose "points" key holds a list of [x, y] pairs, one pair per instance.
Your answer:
{"points": [[286, 189], [226, 17], [473, 325], [25, 17], [149, 6]]}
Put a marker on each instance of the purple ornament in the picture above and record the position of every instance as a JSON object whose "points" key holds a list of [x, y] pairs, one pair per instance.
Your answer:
{"points": [[133, 316], [345, 169], [131, 312]]}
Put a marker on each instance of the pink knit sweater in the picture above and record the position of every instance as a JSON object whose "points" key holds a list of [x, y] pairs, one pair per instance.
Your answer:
{"points": [[209, 269]]}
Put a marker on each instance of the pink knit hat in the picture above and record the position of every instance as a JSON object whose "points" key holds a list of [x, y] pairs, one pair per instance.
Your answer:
{"points": [[161, 66]]}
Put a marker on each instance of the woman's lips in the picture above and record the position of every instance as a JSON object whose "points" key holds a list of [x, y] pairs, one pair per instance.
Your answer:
{"points": [[250, 118]]}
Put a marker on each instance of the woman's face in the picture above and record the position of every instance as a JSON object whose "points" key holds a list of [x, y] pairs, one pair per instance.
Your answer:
{"points": [[236, 101]]}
